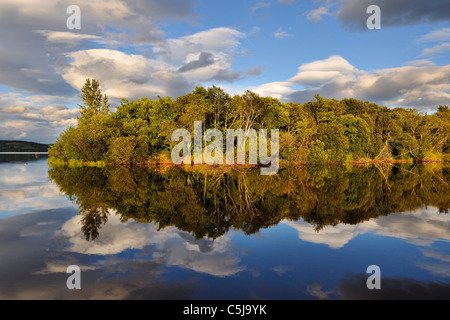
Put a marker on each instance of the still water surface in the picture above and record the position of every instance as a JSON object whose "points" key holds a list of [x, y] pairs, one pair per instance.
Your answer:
{"points": [[306, 233]]}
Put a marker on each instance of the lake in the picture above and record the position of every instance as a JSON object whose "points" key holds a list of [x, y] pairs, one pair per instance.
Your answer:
{"points": [[223, 233]]}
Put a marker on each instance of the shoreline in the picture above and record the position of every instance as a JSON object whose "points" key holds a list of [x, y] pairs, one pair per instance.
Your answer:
{"points": [[165, 164]]}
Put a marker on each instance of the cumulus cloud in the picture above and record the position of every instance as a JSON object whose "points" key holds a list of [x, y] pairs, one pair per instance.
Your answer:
{"points": [[29, 64], [422, 85], [322, 71], [121, 74], [35, 117], [34, 66], [14, 109], [215, 40], [177, 65], [52, 63], [279, 90]]}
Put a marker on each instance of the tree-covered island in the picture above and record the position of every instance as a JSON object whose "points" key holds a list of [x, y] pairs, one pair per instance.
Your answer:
{"points": [[321, 131]]}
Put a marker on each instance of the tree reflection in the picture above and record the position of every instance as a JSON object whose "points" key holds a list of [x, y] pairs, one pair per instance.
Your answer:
{"points": [[208, 202]]}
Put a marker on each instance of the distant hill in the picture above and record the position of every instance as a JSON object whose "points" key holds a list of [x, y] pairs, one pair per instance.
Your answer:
{"points": [[22, 146]]}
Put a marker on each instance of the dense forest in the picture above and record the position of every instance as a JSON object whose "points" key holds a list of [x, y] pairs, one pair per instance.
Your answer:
{"points": [[316, 132]]}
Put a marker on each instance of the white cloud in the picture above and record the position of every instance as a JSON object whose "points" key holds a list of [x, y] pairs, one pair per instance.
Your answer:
{"points": [[66, 36], [34, 117], [443, 47], [281, 34], [260, 5], [121, 75], [315, 15], [14, 109], [278, 90], [224, 40], [29, 64], [19, 124], [419, 84], [177, 66], [438, 35], [321, 71]]}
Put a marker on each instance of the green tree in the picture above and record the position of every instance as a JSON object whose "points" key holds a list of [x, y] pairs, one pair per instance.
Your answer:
{"points": [[358, 133], [94, 102]]}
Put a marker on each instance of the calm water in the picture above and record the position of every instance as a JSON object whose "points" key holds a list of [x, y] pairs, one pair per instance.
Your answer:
{"points": [[306, 233]]}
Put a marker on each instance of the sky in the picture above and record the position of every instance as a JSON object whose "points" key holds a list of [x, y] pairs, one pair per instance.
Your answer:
{"points": [[287, 49]]}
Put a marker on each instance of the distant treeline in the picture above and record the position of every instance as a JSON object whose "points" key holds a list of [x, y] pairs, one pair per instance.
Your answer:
{"points": [[22, 146], [316, 132]]}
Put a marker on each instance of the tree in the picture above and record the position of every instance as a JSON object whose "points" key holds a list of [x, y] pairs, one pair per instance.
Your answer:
{"points": [[321, 130], [357, 132], [335, 141], [219, 101], [121, 150], [94, 102]]}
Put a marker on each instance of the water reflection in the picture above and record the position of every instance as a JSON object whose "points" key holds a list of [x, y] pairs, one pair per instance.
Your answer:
{"points": [[35, 254], [419, 227], [24, 185], [209, 202], [171, 246], [203, 233]]}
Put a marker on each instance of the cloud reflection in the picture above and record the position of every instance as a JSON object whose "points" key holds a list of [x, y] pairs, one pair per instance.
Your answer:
{"points": [[24, 187], [174, 247], [420, 227], [124, 263]]}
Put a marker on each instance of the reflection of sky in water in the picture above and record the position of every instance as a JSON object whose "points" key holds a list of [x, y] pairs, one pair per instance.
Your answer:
{"points": [[40, 236], [24, 186]]}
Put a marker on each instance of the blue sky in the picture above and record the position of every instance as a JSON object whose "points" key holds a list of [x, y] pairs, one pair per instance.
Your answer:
{"points": [[288, 49]]}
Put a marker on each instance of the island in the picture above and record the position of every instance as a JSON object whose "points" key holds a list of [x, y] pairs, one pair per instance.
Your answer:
{"points": [[317, 132]]}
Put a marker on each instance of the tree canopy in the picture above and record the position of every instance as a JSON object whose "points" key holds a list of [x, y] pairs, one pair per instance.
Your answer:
{"points": [[319, 131]]}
